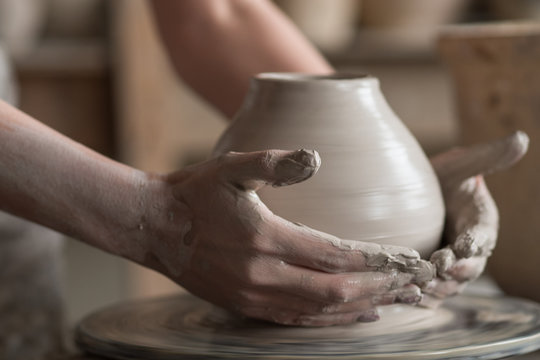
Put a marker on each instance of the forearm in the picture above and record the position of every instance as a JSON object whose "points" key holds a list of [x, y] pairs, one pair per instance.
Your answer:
{"points": [[217, 46], [52, 180]]}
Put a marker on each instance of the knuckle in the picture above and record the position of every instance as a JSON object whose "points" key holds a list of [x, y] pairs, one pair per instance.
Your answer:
{"points": [[338, 293], [319, 308], [261, 313], [226, 157], [283, 320], [264, 245], [247, 298], [256, 273], [266, 159], [303, 320], [292, 319], [328, 309]]}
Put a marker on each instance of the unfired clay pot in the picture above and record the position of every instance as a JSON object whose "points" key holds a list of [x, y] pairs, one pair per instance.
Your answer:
{"points": [[375, 183]]}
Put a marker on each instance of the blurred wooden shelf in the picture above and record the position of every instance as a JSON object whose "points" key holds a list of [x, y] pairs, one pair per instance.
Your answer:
{"points": [[386, 47], [66, 57], [67, 85]]}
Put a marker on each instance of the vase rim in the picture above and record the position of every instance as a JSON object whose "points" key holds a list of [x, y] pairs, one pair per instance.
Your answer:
{"points": [[291, 77]]}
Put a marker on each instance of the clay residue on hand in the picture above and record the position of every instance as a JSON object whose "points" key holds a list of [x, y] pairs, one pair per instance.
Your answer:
{"points": [[443, 260], [299, 166], [387, 258], [457, 165], [383, 258]]}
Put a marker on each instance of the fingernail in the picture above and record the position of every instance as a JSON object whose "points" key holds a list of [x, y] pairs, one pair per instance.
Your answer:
{"points": [[297, 166], [429, 287], [443, 260], [410, 295], [423, 272], [310, 158], [369, 316], [465, 245]]}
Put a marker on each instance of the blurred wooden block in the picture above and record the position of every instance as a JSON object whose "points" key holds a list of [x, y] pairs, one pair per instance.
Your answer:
{"points": [[161, 125], [496, 73]]}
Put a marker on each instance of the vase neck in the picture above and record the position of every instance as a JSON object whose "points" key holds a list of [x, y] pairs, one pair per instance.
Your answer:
{"points": [[274, 89], [285, 81]]}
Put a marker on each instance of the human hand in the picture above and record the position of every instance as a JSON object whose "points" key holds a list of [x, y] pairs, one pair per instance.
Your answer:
{"points": [[472, 219], [224, 245]]}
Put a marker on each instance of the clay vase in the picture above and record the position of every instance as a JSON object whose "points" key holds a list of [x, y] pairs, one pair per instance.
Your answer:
{"points": [[375, 183]]}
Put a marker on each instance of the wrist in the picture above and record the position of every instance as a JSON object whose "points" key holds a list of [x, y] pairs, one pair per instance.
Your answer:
{"points": [[141, 218], [119, 217]]}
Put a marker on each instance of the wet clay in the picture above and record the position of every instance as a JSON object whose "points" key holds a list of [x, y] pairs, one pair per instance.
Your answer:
{"points": [[472, 216], [385, 258], [374, 183]]}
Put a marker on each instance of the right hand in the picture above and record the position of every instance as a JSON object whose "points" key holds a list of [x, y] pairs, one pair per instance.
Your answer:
{"points": [[234, 252], [472, 218]]}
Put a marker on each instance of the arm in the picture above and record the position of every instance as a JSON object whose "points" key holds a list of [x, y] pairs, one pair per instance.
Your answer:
{"points": [[205, 227], [472, 218], [217, 46], [52, 180]]}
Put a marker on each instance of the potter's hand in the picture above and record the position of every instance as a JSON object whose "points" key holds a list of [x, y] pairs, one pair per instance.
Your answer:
{"points": [[471, 215], [234, 252]]}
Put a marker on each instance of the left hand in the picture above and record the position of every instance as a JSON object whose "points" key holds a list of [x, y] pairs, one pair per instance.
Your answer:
{"points": [[472, 219]]}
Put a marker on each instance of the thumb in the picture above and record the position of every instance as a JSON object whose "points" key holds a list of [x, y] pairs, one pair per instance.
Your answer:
{"points": [[454, 166], [253, 170]]}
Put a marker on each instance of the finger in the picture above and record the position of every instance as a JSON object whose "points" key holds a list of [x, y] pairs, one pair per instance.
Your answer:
{"points": [[253, 170], [454, 166], [443, 259], [466, 270], [430, 302], [303, 246], [336, 288], [475, 219], [293, 303], [440, 289], [409, 294], [461, 270], [457, 277], [292, 318]]}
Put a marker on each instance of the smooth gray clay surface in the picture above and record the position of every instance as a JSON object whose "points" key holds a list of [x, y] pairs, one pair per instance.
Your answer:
{"points": [[375, 184]]}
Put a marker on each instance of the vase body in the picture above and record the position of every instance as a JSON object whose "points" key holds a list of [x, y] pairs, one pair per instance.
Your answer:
{"points": [[375, 183]]}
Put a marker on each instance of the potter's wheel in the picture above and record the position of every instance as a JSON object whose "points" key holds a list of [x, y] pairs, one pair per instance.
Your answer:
{"points": [[183, 326]]}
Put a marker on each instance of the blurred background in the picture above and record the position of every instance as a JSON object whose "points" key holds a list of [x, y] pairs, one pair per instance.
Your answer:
{"points": [[95, 71]]}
